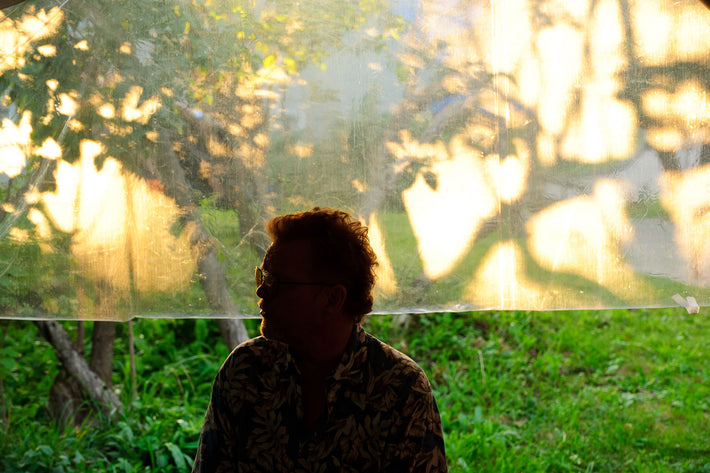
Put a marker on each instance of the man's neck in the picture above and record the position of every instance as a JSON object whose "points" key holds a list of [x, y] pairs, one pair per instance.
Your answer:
{"points": [[317, 360]]}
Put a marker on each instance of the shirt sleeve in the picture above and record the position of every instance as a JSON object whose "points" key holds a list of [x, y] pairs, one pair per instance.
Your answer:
{"points": [[426, 430], [218, 435], [419, 447], [431, 456]]}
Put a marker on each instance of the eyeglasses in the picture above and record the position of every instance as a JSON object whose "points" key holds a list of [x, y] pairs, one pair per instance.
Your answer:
{"points": [[265, 278]]}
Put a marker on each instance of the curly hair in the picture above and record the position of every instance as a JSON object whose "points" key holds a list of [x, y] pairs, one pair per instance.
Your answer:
{"points": [[342, 247]]}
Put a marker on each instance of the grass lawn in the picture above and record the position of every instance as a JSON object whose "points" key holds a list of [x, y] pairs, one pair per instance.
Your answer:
{"points": [[624, 390], [588, 391]]}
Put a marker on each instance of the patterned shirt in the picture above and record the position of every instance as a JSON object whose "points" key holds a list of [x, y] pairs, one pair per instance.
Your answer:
{"points": [[381, 415]]}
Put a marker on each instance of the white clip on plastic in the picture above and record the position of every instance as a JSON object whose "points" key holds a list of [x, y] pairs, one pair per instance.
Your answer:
{"points": [[690, 304]]}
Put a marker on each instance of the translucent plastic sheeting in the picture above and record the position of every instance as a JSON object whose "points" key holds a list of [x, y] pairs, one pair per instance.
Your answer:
{"points": [[510, 154]]}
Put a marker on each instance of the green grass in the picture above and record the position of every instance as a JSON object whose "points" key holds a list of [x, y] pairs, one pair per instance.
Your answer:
{"points": [[587, 391], [567, 391]]}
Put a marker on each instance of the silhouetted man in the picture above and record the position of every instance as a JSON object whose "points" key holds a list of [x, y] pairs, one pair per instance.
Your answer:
{"points": [[316, 393]]}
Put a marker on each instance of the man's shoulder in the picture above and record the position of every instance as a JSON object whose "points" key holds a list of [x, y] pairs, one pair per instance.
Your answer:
{"points": [[255, 351], [255, 345], [378, 348], [388, 358]]}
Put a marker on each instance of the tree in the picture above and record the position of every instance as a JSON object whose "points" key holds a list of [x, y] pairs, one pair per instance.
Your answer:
{"points": [[150, 102]]}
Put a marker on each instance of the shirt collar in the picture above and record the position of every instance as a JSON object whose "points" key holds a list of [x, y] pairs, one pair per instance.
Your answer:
{"points": [[354, 357]]}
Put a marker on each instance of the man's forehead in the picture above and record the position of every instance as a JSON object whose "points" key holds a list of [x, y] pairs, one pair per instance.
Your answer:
{"points": [[297, 252]]}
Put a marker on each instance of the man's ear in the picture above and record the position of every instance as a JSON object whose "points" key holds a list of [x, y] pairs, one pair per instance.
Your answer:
{"points": [[336, 298]]}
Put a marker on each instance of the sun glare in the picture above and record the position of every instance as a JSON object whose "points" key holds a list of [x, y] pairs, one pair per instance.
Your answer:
{"points": [[386, 283], [686, 198], [14, 142], [445, 220], [132, 112], [121, 226]]}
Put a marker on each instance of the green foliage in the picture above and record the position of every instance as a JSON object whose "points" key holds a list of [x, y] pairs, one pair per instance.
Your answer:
{"points": [[646, 208], [566, 391], [601, 391], [158, 432], [36, 278]]}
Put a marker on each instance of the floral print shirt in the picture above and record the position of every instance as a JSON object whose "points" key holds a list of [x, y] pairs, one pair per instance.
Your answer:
{"points": [[381, 415]]}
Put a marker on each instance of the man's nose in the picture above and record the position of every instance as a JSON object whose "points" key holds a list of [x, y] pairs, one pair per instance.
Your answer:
{"points": [[262, 291]]}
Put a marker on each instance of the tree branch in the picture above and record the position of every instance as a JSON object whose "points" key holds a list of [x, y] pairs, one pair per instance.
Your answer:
{"points": [[77, 367]]}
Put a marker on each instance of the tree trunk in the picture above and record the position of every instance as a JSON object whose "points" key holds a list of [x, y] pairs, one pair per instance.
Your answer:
{"points": [[102, 340], [76, 378], [236, 179], [212, 275]]}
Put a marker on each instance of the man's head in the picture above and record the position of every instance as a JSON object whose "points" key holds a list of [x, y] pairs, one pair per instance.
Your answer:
{"points": [[339, 252]]}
